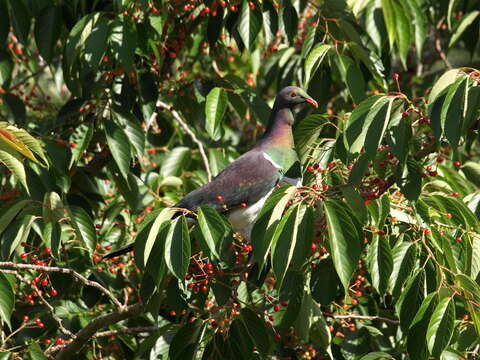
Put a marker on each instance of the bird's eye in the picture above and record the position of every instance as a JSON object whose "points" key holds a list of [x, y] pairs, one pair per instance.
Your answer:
{"points": [[293, 94]]}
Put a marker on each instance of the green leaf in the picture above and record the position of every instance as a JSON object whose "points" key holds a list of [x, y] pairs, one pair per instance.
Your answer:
{"points": [[290, 20], [417, 333], [185, 341], [175, 161], [123, 37], [451, 117], [36, 352], [441, 326], [249, 25], [177, 248], [378, 355], [215, 108], [148, 235], [294, 233], [267, 221], [6, 66], [20, 19], [403, 255], [157, 23], [84, 228], [466, 21], [369, 130], [410, 179], [344, 239], [9, 214], [15, 234], [390, 20], [119, 146], [314, 60], [411, 298], [213, 229], [257, 331], [48, 28], [135, 134], [420, 24], [13, 161], [402, 24], [81, 136], [96, 44], [379, 258], [353, 77], [7, 300]]}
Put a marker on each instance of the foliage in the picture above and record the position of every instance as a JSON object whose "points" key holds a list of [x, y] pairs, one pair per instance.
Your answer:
{"points": [[111, 111]]}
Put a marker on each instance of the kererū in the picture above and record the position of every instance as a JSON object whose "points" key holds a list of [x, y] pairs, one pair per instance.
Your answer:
{"points": [[240, 190]]}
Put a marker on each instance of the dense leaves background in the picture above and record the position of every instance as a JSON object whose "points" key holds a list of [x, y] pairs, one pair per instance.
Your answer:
{"points": [[112, 110]]}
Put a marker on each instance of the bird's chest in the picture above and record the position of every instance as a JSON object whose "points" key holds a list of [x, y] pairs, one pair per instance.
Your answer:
{"points": [[242, 219]]}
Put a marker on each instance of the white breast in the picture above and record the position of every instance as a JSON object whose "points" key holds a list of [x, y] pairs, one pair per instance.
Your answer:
{"points": [[242, 219]]}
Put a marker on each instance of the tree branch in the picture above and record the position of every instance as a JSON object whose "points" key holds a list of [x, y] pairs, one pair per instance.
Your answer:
{"points": [[362, 317], [84, 335], [185, 128], [64, 271]]}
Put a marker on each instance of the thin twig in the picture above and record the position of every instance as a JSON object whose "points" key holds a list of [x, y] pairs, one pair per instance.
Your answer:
{"points": [[70, 350], [362, 317], [438, 47], [64, 271], [25, 79], [185, 128], [129, 331]]}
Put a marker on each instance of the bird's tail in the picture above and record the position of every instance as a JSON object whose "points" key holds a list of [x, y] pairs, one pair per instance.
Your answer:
{"points": [[123, 250]]}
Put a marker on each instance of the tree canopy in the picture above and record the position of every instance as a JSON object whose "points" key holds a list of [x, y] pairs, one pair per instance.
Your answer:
{"points": [[112, 110]]}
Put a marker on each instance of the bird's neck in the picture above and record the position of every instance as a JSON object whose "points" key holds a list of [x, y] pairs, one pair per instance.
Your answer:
{"points": [[279, 128]]}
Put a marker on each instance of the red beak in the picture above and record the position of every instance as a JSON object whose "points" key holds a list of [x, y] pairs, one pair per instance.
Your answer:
{"points": [[312, 102]]}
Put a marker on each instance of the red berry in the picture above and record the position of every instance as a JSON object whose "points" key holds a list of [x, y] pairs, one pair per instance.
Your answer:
{"points": [[457, 164], [448, 215], [310, 169], [455, 194], [331, 164], [41, 325], [44, 282], [276, 308], [381, 232], [60, 341], [48, 251], [37, 321], [354, 301], [204, 289], [26, 318], [465, 317], [24, 255], [395, 76], [243, 205], [99, 269], [98, 226], [405, 114], [72, 145], [278, 337], [54, 292], [359, 293]]}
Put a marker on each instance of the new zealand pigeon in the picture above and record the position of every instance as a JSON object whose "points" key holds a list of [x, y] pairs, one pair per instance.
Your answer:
{"points": [[240, 190]]}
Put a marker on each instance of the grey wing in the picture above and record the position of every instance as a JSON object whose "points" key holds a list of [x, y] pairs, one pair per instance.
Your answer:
{"points": [[246, 180]]}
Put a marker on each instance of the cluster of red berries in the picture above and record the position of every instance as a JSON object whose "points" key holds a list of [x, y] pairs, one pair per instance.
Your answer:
{"points": [[200, 275]]}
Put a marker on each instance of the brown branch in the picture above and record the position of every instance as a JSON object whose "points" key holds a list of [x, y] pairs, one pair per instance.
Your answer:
{"points": [[185, 128], [129, 331], [362, 317], [70, 350], [438, 47], [64, 271]]}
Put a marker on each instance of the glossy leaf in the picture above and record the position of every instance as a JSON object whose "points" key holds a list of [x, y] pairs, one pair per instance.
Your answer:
{"points": [[83, 225], [314, 60], [440, 327], [213, 229], [344, 239], [177, 248], [380, 262], [7, 300], [411, 298], [48, 29], [417, 333], [215, 108], [249, 25], [119, 146]]}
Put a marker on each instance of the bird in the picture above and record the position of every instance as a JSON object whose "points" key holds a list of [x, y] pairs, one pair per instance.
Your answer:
{"points": [[240, 190]]}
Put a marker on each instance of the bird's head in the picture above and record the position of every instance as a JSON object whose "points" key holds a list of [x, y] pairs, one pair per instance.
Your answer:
{"points": [[291, 96]]}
